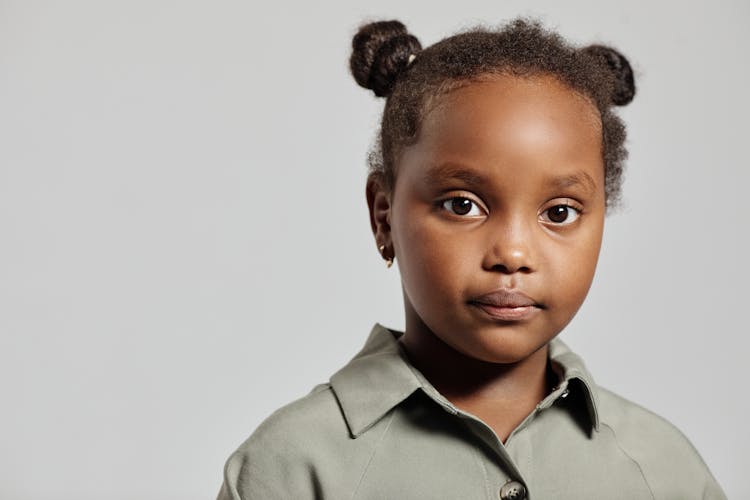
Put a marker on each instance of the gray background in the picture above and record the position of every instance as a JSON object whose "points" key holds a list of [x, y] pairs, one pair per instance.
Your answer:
{"points": [[184, 243]]}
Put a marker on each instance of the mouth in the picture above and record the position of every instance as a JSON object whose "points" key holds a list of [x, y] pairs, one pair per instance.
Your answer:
{"points": [[507, 305]]}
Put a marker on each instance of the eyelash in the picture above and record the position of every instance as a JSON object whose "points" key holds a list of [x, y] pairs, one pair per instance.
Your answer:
{"points": [[566, 222], [446, 204], [448, 201]]}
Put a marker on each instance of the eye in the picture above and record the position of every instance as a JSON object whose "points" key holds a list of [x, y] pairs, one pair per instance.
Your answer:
{"points": [[461, 205], [561, 214]]}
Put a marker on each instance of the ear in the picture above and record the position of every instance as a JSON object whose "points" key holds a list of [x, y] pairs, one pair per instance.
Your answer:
{"points": [[379, 203]]}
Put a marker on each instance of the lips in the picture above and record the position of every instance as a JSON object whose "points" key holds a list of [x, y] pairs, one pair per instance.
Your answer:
{"points": [[506, 304]]}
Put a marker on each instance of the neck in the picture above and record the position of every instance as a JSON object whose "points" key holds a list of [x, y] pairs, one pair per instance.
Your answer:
{"points": [[504, 393]]}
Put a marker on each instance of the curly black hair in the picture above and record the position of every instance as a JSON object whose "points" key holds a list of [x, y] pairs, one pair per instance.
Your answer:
{"points": [[391, 62]]}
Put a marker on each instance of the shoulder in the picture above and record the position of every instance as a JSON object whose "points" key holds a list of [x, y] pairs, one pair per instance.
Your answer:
{"points": [[642, 430], [289, 426], [669, 462], [295, 452]]}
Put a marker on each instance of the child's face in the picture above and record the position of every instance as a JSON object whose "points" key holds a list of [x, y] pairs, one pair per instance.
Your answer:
{"points": [[503, 191]]}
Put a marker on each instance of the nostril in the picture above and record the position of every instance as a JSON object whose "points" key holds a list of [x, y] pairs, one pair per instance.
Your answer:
{"points": [[510, 270], [501, 267]]}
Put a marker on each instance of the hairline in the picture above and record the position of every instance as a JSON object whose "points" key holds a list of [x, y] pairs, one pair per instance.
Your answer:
{"points": [[433, 101]]}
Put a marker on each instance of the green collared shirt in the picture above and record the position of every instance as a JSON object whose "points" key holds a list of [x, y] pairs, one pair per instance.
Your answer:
{"points": [[380, 430]]}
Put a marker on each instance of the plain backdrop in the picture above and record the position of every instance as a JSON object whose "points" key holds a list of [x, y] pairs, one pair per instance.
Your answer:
{"points": [[185, 246]]}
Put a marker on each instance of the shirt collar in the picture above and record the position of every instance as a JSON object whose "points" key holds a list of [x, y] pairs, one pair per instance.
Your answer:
{"points": [[572, 371], [379, 377]]}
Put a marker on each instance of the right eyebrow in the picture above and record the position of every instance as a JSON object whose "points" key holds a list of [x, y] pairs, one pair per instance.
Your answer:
{"points": [[449, 171], [579, 178]]}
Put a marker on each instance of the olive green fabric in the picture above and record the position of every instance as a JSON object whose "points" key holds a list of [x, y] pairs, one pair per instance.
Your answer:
{"points": [[380, 430]]}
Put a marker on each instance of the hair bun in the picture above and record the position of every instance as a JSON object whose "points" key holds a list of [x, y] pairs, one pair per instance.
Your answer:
{"points": [[624, 84], [380, 52]]}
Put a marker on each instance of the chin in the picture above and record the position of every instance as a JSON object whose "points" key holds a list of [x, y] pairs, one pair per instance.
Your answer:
{"points": [[504, 348]]}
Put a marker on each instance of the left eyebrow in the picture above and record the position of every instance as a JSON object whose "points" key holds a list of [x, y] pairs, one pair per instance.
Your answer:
{"points": [[447, 171], [579, 178]]}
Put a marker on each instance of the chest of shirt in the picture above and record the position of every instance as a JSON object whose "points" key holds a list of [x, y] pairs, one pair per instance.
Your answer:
{"points": [[421, 451]]}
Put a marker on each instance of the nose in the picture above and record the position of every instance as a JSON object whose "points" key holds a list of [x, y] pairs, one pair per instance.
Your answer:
{"points": [[510, 247]]}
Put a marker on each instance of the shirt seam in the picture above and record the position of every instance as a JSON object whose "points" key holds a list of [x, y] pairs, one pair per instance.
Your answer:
{"points": [[372, 455], [638, 465]]}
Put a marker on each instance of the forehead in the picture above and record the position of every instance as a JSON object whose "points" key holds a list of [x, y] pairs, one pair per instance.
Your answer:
{"points": [[535, 123]]}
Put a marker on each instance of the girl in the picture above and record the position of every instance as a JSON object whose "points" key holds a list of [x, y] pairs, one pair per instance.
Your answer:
{"points": [[499, 155]]}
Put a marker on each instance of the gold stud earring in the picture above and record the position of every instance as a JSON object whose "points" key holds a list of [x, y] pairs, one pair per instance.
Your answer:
{"points": [[389, 260]]}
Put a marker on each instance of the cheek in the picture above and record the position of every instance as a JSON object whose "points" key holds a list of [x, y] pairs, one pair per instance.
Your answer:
{"points": [[431, 258], [423, 251], [573, 265]]}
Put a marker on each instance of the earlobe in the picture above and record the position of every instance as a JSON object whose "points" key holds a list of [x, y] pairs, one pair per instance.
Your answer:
{"points": [[388, 260]]}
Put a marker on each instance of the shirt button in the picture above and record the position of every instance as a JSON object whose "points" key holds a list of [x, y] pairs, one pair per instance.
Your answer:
{"points": [[512, 490]]}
